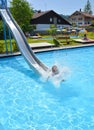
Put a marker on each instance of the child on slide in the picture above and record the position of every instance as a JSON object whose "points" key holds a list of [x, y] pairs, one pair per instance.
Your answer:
{"points": [[54, 72]]}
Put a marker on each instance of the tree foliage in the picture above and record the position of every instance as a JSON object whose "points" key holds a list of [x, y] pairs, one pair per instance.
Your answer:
{"points": [[22, 13], [52, 30], [87, 8], [93, 23]]}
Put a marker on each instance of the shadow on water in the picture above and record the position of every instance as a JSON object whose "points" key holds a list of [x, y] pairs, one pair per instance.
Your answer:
{"points": [[15, 64], [63, 91]]}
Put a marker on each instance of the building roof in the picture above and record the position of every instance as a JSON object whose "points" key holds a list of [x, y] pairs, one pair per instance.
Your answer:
{"points": [[44, 14], [84, 14], [87, 15], [39, 13]]}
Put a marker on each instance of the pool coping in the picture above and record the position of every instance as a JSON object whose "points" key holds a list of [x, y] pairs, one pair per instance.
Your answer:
{"points": [[49, 47]]}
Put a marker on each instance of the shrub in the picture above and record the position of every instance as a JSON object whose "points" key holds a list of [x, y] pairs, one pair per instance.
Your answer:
{"points": [[1, 31], [15, 47], [56, 42], [1, 47]]}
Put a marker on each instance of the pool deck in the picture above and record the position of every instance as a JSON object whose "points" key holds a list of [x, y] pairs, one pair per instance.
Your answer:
{"points": [[41, 45], [44, 46]]}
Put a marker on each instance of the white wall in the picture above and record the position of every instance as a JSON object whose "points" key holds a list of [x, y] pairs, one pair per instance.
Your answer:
{"points": [[44, 27]]}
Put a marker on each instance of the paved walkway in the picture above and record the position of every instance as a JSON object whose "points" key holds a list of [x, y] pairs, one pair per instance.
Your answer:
{"points": [[41, 45]]}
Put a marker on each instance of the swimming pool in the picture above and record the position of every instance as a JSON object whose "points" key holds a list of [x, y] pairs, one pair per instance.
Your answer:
{"points": [[75, 36], [28, 102]]}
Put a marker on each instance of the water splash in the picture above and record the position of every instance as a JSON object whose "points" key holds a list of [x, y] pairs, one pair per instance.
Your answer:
{"points": [[63, 75], [56, 80]]}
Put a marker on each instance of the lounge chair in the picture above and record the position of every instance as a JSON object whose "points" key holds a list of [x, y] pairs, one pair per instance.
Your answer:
{"points": [[84, 40]]}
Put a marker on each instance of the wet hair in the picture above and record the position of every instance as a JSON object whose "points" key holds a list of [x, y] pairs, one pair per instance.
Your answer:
{"points": [[55, 69]]}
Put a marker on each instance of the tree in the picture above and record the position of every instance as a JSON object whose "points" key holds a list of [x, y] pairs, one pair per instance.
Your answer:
{"points": [[22, 13], [93, 23], [52, 30], [87, 8]]}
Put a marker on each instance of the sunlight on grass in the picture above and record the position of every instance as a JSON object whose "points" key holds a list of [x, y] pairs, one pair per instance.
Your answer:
{"points": [[49, 39]]}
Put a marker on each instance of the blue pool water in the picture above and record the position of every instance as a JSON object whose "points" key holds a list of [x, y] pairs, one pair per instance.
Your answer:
{"points": [[28, 102], [47, 38], [75, 37]]}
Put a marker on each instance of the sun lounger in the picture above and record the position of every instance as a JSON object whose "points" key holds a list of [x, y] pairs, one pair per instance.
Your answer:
{"points": [[35, 37], [84, 41]]}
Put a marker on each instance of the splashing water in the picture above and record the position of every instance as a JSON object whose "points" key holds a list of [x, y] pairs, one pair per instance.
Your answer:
{"points": [[61, 77], [56, 80]]}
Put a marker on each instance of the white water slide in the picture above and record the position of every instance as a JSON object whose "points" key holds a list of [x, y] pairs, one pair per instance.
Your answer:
{"points": [[21, 41]]}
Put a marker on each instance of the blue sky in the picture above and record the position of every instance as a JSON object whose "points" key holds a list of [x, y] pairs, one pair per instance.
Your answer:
{"points": [[66, 7]]}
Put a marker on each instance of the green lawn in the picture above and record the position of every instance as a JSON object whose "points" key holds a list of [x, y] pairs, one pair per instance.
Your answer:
{"points": [[46, 38]]}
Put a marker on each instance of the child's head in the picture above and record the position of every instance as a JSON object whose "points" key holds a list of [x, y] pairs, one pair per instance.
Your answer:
{"points": [[55, 69]]}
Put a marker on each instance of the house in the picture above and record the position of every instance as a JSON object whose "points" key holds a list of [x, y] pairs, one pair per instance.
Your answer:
{"points": [[80, 18], [43, 20]]}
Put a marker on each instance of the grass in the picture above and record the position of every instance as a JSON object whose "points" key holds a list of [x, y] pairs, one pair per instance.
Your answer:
{"points": [[89, 35], [62, 41], [44, 38], [49, 39]]}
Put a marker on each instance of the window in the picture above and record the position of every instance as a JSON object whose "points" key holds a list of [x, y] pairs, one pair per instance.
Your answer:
{"points": [[55, 20], [73, 19], [80, 23], [80, 19], [76, 14], [51, 19], [59, 20]]}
